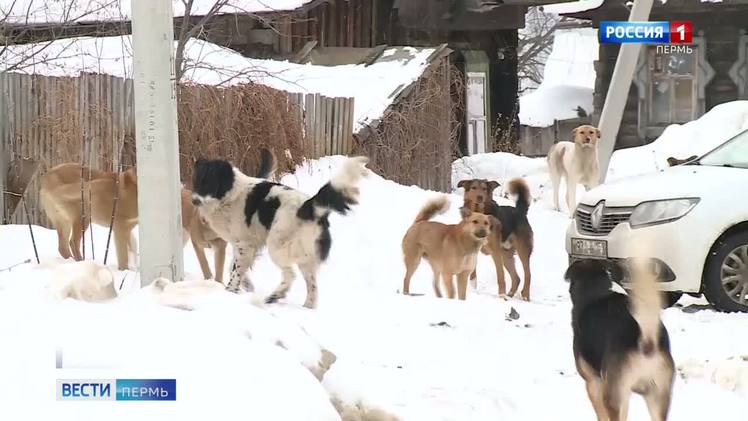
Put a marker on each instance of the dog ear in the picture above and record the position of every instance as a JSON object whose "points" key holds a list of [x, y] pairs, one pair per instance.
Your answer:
{"points": [[492, 185], [574, 132], [465, 212], [463, 184], [598, 133]]}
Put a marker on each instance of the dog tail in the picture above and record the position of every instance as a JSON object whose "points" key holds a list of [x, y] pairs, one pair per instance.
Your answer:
{"points": [[268, 164], [433, 207], [646, 304], [339, 193], [518, 186]]}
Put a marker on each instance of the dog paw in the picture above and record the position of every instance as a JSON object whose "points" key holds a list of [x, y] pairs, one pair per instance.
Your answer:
{"points": [[272, 298], [503, 297], [232, 290], [310, 304], [247, 285]]}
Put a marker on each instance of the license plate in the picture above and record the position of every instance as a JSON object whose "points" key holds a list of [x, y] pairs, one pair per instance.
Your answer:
{"points": [[591, 248]]}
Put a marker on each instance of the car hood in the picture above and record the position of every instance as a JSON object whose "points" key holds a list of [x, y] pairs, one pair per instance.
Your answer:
{"points": [[675, 182]]}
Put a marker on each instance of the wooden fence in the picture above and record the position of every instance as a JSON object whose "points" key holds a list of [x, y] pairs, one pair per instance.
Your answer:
{"points": [[90, 119]]}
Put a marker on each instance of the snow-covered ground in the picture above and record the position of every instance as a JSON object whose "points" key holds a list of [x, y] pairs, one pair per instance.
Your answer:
{"points": [[417, 357]]}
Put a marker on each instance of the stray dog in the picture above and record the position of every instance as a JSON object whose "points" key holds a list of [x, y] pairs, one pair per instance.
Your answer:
{"points": [[252, 212], [620, 344], [577, 161], [86, 281], [512, 236], [60, 198], [675, 161], [451, 250]]}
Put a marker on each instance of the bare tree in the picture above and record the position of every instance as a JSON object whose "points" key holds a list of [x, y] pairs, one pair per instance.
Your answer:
{"points": [[535, 43]]}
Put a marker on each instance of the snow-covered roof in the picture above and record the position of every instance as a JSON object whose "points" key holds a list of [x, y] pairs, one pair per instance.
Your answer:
{"points": [[568, 79], [68, 11], [373, 87]]}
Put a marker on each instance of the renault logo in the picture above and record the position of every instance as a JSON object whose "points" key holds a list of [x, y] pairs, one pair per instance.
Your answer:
{"points": [[596, 217]]}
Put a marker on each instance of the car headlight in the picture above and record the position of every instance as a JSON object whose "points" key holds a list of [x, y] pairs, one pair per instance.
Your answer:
{"points": [[661, 211]]}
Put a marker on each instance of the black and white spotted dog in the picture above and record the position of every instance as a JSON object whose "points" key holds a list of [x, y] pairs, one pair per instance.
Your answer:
{"points": [[252, 212]]}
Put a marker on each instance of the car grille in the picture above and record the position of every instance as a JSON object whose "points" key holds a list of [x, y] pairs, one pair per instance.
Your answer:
{"points": [[610, 219]]}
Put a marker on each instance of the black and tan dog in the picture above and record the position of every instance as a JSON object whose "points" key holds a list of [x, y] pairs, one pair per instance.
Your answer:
{"points": [[620, 345], [514, 236]]}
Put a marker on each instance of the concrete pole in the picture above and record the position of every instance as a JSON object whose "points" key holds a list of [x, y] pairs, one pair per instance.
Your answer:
{"points": [[615, 99], [159, 206]]}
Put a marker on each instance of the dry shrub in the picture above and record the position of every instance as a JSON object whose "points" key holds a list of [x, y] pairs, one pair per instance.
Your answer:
{"points": [[234, 123], [415, 141], [90, 120]]}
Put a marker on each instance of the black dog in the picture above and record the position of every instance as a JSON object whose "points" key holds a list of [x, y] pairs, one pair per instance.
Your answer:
{"points": [[620, 344]]}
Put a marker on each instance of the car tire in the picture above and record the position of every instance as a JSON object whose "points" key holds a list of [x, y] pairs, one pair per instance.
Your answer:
{"points": [[731, 252], [670, 298]]}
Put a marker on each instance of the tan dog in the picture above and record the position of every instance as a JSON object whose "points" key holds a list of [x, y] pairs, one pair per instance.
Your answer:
{"points": [[61, 200], [452, 250], [511, 233], [675, 161], [577, 162]]}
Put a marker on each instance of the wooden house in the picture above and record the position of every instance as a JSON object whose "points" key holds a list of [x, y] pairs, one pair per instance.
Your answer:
{"points": [[676, 84]]}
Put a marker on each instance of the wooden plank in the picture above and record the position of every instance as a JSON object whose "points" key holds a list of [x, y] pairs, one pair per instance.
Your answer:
{"points": [[351, 108], [350, 20], [336, 126], [332, 26], [329, 126], [319, 139], [374, 10]]}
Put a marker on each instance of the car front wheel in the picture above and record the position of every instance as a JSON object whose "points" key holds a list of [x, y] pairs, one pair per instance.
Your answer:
{"points": [[726, 280]]}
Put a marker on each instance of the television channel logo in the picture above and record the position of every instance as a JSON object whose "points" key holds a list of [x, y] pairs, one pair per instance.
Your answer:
{"points": [[116, 390], [659, 32]]}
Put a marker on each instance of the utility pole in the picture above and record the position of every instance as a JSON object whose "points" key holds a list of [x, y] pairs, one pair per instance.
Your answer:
{"points": [[620, 83], [159, 206]]}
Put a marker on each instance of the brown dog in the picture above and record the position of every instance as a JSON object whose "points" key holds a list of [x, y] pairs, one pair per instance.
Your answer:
{"points": [[61, 200], [675, 161], [451, 250], [577, 162], [513, 234]]}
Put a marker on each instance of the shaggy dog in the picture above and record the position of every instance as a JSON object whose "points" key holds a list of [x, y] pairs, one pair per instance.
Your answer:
{"points": [[577, 161], [252, 212], [620, 344], [512, 236], [452, 250]]}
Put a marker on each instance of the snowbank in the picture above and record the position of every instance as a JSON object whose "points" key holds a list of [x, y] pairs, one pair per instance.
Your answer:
{"points": [[682, 140], [568, 79], [231, 359], [69, 11], [373, 87]]}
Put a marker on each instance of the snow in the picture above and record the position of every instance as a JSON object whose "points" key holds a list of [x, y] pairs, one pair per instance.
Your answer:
{"points": [[682, 140], [568, 79], [572, 6], [417, 357], [373, 87], [68, 11]]}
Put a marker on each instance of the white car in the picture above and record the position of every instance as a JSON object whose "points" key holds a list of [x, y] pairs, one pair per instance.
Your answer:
{"points": [[692, 219]]}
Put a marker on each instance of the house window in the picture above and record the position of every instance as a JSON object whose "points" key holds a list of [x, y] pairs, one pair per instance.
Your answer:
{"points": [[672, 86]]}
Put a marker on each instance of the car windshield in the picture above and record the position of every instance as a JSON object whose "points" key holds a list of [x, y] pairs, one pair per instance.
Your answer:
{"points": [[733, 153]]}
